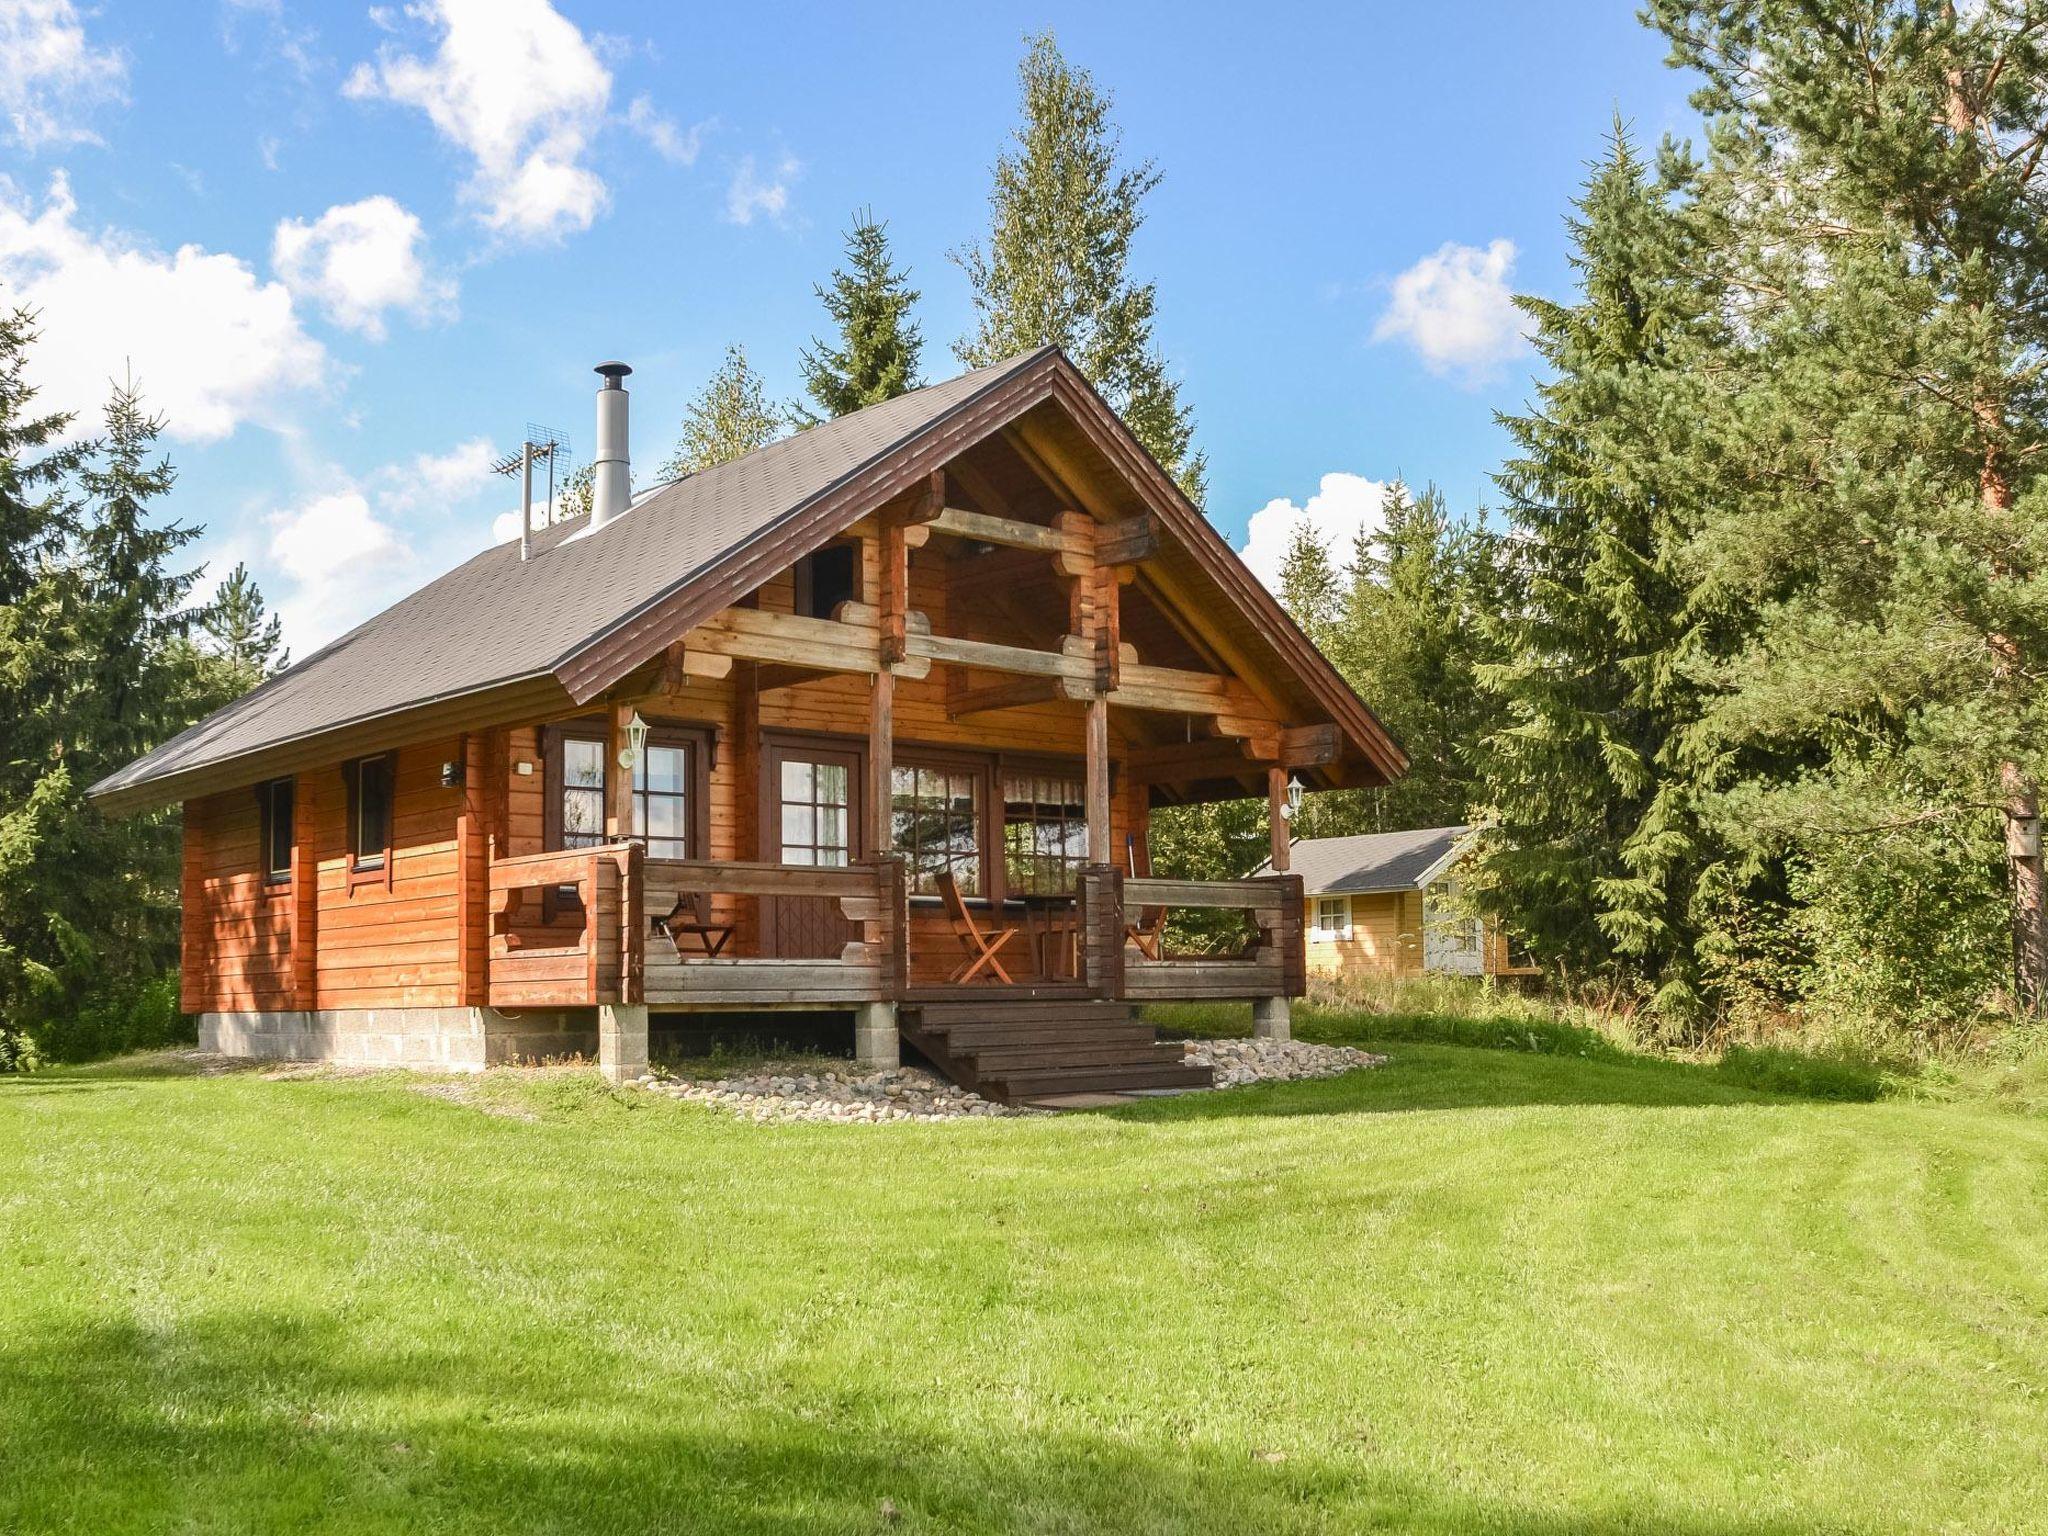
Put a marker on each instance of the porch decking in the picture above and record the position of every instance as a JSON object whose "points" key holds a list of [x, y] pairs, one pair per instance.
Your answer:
{"points": [[603, 946]]}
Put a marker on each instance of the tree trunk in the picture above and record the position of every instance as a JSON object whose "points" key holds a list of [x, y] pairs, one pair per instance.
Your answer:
{"points": [[2029, 889]]}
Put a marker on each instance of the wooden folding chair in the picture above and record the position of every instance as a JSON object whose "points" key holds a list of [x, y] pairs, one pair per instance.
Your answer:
{"points": [[981, 947], [1149, 931], [691, 916]]}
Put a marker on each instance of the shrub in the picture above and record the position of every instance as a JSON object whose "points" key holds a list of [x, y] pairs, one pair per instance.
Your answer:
{"points": [[1800, 1074], [124, 1016]]}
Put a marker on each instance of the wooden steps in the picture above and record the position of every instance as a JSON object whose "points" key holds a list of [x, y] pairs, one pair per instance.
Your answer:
{"points": [[1011, 1048]]}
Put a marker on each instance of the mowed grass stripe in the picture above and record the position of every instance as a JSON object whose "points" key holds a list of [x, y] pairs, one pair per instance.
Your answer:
{"points": [[1473, 1290]]}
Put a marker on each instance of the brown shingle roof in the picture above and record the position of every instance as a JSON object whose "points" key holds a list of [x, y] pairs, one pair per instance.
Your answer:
{"points": [[495, 619]]}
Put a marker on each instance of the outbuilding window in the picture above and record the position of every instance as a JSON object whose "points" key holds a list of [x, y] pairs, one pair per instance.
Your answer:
{"points": [[1333, 917]]}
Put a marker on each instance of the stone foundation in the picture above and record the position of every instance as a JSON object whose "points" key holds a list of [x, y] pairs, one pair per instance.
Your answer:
{"points": [[442, 1039]]}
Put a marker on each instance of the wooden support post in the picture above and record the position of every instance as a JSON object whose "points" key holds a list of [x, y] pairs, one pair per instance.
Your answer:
{"points": [[472, 872], [881, 764], [1098, 782], [893, 589], [1276, 813], [618, 780], [305, 895]]}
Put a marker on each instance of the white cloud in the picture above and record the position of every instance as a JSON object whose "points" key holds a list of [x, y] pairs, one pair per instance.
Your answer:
{"points": [[518, 88], [211, 345], [356, 261], [435, 480], [52, 75], [751, 195], [1341, 508], [342, 563], [1456, 309], [667, 140]]}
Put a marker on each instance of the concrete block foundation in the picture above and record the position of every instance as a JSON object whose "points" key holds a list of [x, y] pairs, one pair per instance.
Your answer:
{"points": [[438, 1039]]}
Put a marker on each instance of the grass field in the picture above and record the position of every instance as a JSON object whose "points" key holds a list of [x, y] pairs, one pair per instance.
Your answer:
{"points": [[1476, 1290]]}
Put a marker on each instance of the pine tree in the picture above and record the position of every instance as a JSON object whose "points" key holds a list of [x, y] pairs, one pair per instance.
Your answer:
{"points": [[245, 635], [875, 356], [1310, 590], [1878, 192], [1595, 850], [1056, 269], [728, 421]]}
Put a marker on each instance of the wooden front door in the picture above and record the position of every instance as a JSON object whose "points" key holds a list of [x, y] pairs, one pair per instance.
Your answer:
{"points": [[810, 802]]}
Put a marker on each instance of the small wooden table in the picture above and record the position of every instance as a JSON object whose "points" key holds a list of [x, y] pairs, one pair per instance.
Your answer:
{"points": [[1054, 924]]}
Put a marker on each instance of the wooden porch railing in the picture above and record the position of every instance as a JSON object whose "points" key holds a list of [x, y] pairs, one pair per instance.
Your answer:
{"points": [[529, 965], [603, 945], [1274, 966], [870, 968]]}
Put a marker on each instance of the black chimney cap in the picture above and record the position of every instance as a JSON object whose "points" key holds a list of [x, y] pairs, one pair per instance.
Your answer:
{"points": [[613, 372]]}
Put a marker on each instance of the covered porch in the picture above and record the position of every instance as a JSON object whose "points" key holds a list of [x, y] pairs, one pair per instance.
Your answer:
{"points": [[594, 928]]}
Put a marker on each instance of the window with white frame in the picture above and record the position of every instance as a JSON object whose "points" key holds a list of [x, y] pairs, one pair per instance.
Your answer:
{"points": [[1333, 917]]}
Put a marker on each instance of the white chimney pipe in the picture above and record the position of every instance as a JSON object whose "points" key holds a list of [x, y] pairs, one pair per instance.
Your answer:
{"points": [[612, 477]]}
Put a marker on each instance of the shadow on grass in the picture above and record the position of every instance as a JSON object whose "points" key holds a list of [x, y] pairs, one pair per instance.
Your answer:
{"points": [[274, 1422], [1420, 1076]]}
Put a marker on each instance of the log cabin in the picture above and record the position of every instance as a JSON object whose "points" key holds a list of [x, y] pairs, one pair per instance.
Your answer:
{"points": [[867, 723]]}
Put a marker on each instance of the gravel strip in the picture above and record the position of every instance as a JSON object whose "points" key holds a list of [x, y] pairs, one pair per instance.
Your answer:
{"points": [[1237, 1062], [909, 1093]]}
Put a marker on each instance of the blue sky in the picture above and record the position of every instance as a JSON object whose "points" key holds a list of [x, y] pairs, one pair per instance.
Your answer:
{"points": [[352, 251]]}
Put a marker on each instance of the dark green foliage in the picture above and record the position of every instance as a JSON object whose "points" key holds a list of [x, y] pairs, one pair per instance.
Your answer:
{"points": [[248, 639], [875, 356], [1596, 845], [1422, 596], [1056, 268], [97, 665]]}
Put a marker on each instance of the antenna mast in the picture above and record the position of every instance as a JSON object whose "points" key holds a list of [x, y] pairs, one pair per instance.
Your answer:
{"points": [[541, 443]]}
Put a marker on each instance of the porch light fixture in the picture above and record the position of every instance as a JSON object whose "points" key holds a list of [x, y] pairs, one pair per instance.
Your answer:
{"points": [[636, 738], [1292, 808]]}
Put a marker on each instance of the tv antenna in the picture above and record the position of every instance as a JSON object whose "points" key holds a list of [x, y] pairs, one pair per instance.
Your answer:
{"points": [[542, 443]]}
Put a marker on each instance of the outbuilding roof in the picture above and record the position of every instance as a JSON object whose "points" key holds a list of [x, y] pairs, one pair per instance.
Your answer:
{"points": [[1376, 861]]}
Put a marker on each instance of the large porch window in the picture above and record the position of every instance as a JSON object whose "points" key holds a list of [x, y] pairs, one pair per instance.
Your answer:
{"points": [[1045, 833], [935, 815]]}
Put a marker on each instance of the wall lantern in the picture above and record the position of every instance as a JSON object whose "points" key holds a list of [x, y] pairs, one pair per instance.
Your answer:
{"points": [[1294, 790], [636, 738], [451, 775]]}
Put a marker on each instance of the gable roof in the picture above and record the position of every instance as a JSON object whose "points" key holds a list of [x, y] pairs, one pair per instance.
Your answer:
{"points": [[1376, 861], [539, 636]]}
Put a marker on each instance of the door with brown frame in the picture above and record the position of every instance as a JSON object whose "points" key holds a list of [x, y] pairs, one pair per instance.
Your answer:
{"points": [[810, 812]]}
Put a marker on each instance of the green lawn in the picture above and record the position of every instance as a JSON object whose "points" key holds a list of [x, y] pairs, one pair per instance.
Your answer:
{"points": [[1474, 1290]]}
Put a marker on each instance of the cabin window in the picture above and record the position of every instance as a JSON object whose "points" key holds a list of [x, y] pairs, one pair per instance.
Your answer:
{"points": [[576, 787], [369, 812], [935, 822], [274, 800], [827, 577], [815, 812], [1333, 917], [1045, 833], [668, 794]]}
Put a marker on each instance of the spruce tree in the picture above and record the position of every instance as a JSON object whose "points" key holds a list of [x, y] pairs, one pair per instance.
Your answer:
{"points": [[1310, 589], [1595, 849], [1878, 191], [1056, 267], [727, 421], [1413, 636], [246, 637], [875, 356]]}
